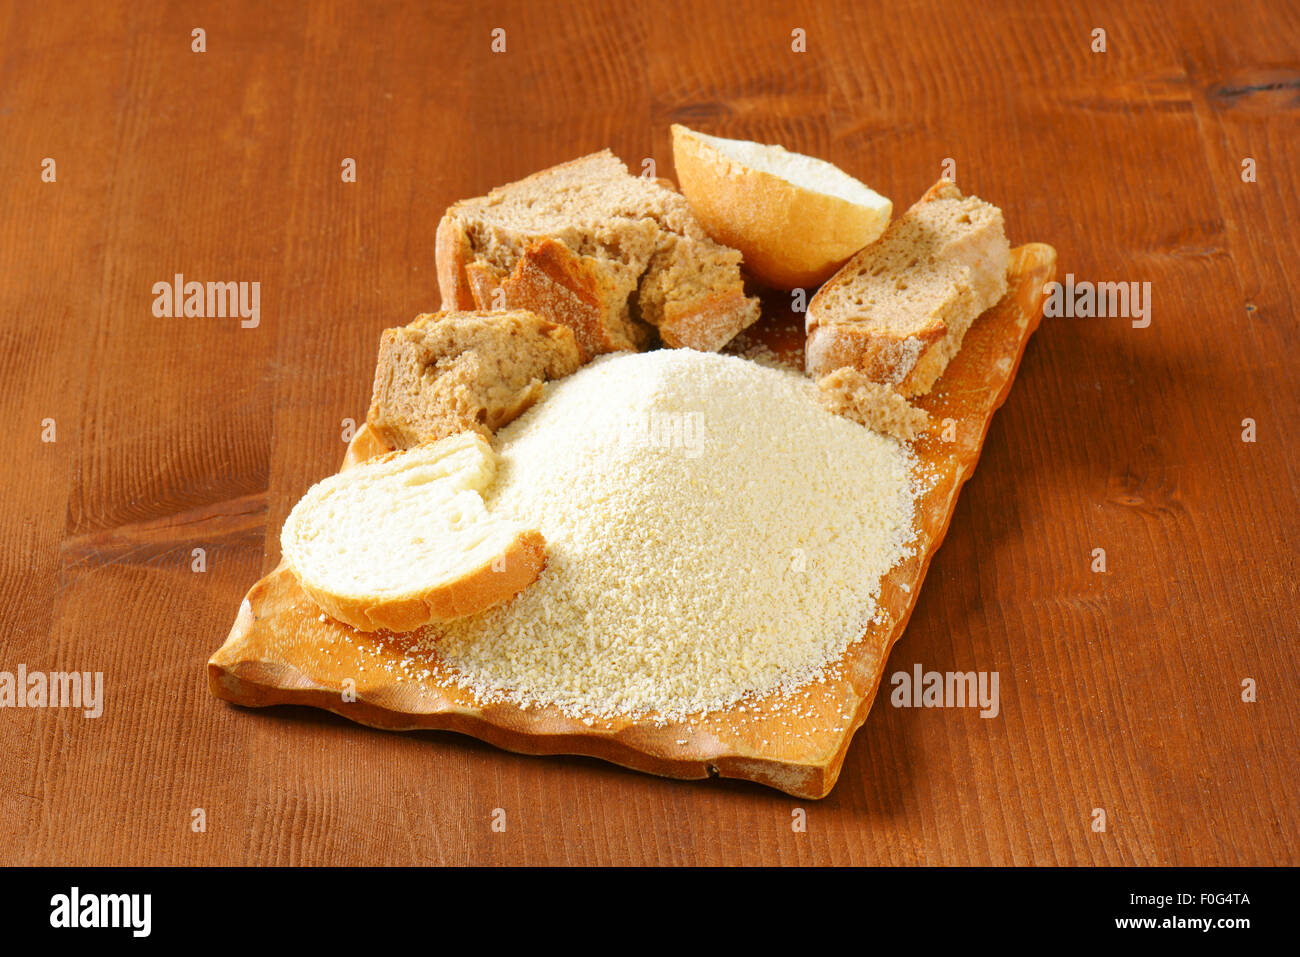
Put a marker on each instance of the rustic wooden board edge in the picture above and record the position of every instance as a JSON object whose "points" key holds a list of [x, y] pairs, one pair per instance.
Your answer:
{"points": [[1035, 267], [244, 674], [250, 680]]}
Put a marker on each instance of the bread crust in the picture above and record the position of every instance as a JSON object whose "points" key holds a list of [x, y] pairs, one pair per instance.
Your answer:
{"points": [[548, 279], [490, 584], [483, 282], [563, 287], [767, 217], [850, 393], [891, 360], [708, 323], [452, 251]]}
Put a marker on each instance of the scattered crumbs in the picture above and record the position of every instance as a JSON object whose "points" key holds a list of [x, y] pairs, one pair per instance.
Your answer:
{"points": [[747, 346]]}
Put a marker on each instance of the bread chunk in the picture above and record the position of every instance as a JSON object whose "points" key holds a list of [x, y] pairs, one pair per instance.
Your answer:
{"points": [[615, 257], [464, 371], [405, 539], [849, 393], [898, 310], [796, 219]]}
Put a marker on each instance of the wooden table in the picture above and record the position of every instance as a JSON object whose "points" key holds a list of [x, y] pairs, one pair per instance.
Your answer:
{"points": [[1121, 690]]}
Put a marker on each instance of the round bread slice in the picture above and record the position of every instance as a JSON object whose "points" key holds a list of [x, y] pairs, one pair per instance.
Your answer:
{"points": [[794, 218], [405, 539]]}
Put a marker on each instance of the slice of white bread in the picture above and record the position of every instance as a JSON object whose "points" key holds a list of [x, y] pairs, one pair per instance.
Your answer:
{"points": [[405, 539], [898, 310], [450, 372], [794, 218], [588, 245]]}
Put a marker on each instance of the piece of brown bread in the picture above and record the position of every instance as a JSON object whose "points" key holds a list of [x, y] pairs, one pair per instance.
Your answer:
{"points": [[451, 372], [898, 310], [850, 393], [578, 292], [586, 244]]}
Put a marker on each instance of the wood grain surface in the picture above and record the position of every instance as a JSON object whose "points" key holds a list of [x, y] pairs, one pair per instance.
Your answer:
{"points": [[1120, 691]]}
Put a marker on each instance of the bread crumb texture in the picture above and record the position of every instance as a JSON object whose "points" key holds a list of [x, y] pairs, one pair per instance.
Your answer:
{"points": [[714, 535]]}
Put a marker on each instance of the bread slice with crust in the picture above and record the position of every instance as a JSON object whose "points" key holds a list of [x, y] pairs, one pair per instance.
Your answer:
{"points": [[405, 539], [452, 372], [616, 257], [898, 310]]}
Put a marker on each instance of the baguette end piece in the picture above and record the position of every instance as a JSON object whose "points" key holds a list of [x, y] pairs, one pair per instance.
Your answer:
{"points": [[760, 199]]}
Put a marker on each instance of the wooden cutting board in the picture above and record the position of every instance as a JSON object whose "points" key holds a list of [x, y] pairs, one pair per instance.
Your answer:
{"points": [[282, 650]]}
